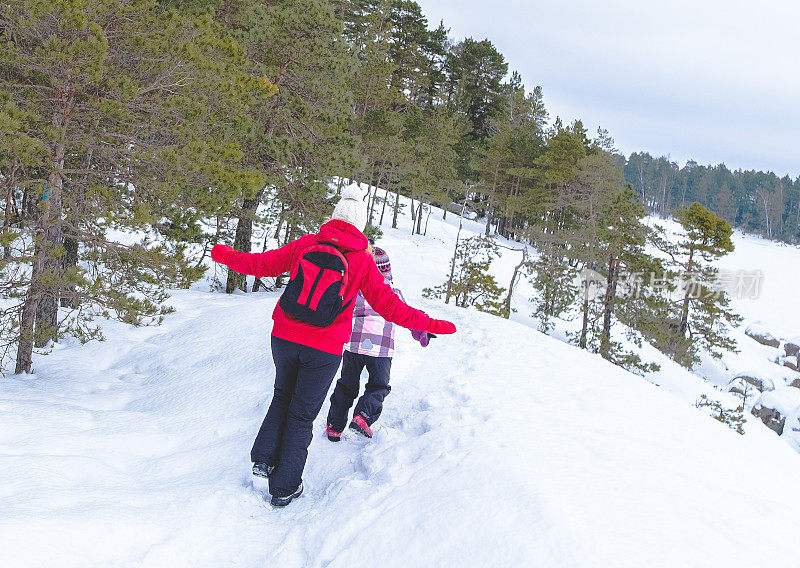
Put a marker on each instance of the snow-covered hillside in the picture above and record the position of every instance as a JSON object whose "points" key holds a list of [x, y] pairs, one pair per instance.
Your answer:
{"points": [[498, 446], [768, 273]]}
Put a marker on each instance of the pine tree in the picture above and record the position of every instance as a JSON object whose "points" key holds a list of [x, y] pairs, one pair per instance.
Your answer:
{"points": [[300, 140], [117, 96], [471, 282], [702, 312], [474, 90]]}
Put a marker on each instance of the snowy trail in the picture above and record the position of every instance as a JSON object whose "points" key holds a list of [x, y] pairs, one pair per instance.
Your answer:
{"points": [[498, 447]]}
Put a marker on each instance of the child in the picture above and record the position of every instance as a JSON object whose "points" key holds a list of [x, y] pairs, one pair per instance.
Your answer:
{"points": [[307, 355], [372, 346]]}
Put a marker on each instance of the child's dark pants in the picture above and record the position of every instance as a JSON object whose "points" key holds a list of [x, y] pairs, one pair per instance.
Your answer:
{"points": [[371, 403], [303, 376]]}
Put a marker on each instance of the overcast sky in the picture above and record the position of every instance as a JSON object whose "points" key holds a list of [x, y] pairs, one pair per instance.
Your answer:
{"points": [[710, 80]]}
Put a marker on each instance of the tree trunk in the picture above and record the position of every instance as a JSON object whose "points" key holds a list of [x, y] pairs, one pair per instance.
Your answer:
{"points": [[427, 219], [70, 261], [396, 206], [375, 196], [585, 325], [419, 216], [489, 213], [279, 281], [687, 295], [76, 207], [455, 254], [517, 268], [10, 182], [490, 208], [39, 321], [383, 207], [641, 183], [48, 265], [30, 204], [781, 208], [608, 307], [277, 234], [25, 349], [369, 188], [413, 211], [242, 241]]}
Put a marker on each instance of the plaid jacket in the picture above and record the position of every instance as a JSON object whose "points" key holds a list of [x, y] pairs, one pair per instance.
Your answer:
{"points": [[372, 335]]}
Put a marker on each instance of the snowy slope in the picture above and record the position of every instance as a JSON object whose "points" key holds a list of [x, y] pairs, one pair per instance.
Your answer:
{"points": [[498, 446], [777, 303], [769, 304]]}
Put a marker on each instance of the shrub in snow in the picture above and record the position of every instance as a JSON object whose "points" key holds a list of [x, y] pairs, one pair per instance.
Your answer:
{"points": [[748, 388], [732, 418], [471, 282]]}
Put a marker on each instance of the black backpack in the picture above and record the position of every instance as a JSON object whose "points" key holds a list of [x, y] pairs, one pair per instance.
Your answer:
{"points": [[314, 292]]}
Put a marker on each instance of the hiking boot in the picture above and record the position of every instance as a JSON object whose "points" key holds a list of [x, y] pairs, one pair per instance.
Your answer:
{"points": [[263, 469], [333, 435], [283, 501], [359, 424]]}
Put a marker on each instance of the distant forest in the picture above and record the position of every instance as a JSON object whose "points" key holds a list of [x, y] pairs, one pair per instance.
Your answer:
{"points": [[756, 202]]}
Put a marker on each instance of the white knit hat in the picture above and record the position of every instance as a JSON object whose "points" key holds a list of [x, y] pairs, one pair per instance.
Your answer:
{"points": [[351, 208]]}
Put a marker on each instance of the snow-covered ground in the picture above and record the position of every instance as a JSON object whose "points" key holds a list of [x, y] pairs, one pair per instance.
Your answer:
{"points": [[498, 446], [767, 274], [774, 301], [778, 304]]}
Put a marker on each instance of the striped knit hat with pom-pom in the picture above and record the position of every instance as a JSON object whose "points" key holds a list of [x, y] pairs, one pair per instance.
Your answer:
{"points": [[382, 260]]}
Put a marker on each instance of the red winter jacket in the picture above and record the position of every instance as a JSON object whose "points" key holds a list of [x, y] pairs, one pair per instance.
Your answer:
{"points": [[364, 276]]}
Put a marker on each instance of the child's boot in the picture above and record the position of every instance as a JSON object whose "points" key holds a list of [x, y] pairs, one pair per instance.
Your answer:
{"points": [[333, 435], [359, 424]]}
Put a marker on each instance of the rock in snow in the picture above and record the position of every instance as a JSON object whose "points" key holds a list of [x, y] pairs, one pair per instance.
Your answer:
{"points": [[738, 384], [772, 418], [792, 347], [773, 407], [760, 333]]}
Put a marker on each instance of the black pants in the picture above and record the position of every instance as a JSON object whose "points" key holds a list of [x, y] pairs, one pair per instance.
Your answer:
{"points": [[370, 404], [303, 376]]}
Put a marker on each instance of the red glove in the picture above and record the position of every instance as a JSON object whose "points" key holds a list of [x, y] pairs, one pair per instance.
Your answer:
{"points": [[220, 253], [443, 327]]}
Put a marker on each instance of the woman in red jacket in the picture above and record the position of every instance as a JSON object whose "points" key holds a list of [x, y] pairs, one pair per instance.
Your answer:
{"points": [[306, 356]]}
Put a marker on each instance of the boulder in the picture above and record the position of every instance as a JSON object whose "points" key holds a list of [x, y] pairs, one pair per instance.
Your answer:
{"points": [[792, 348], [740, 383], [795, 383], [760, 334], [774, 406], [791, 362], [773, 419]]}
